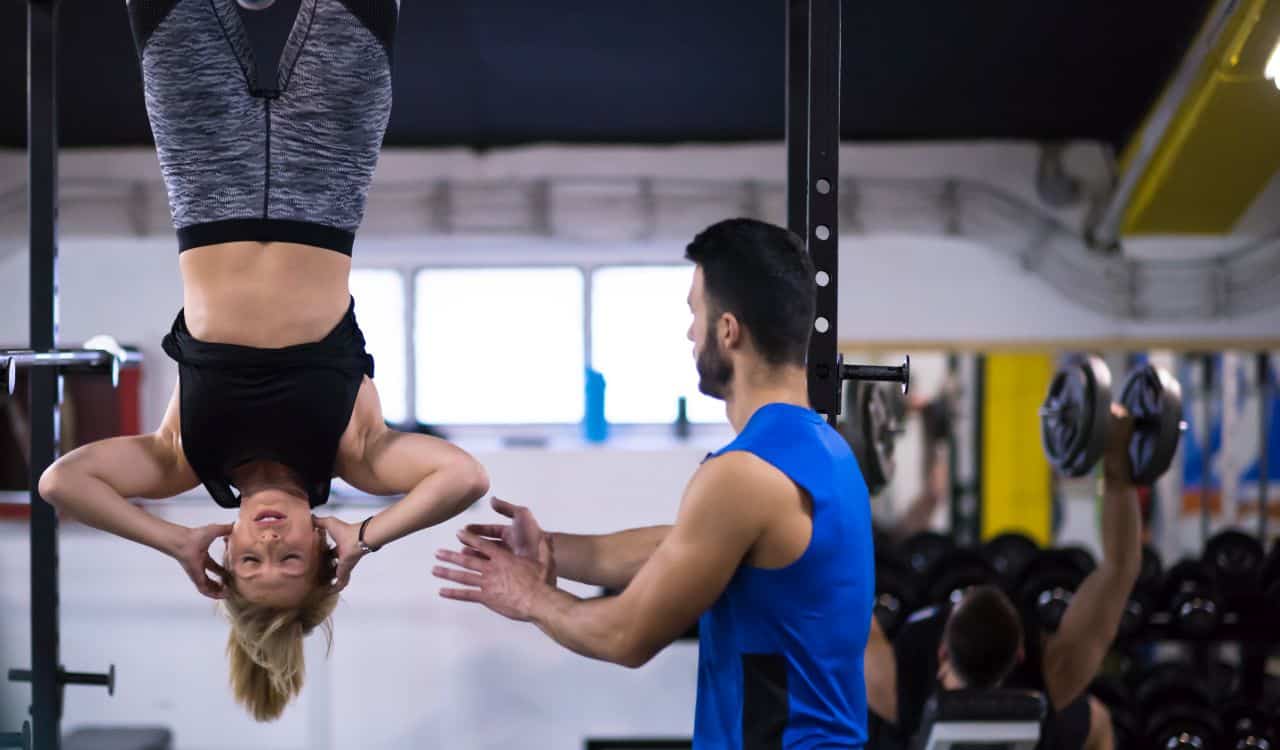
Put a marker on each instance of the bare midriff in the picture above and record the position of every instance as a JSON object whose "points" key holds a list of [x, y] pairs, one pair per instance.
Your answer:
{"points": [[264, 295]]}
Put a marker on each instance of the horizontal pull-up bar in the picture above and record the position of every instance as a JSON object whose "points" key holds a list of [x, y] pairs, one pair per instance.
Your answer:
{"points": [[67, 360]]}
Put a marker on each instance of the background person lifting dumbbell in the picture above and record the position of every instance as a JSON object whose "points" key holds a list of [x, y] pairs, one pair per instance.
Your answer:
{"points": [[979, 641]]}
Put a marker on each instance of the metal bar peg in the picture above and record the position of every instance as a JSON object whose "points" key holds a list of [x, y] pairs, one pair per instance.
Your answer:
{"points": [[887, 373], [107, 679]]}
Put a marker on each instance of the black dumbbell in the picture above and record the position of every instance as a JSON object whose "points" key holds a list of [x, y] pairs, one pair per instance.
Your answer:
{"points": [[1192, 600], [1008, 554], [1076, 416], [897, 594], [1177, 709], [1249, 726], [1144, 597], [1047, 584], [1118, 699], [1269, 581], [924, 548], [1236, 561], [955, 572]]}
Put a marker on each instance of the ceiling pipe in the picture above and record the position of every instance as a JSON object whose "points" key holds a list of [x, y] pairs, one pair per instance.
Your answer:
{"points": [[1105, 235]]}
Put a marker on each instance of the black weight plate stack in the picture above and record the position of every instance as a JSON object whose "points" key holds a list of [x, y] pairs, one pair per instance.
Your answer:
{"points": [[1154, 398], [1075, 415]]}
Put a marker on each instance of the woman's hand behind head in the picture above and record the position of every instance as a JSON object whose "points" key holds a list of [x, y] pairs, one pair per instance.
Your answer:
{"points": [[192, 553]]}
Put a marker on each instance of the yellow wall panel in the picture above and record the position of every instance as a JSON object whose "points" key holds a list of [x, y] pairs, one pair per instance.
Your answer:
{"points": [[1016, 486]]}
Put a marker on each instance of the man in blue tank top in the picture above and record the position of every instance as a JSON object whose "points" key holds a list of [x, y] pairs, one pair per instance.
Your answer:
{"points": [[771, 547]]}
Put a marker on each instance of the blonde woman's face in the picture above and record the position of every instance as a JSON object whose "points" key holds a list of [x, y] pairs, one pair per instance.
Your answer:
{"points": [[274, 549]]}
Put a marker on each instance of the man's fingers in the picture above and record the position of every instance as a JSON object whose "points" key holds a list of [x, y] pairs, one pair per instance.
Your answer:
{"points": [[503, 507], [474, 561], [457, 576], [462, 595], [486, 546], [477, 553], [492, 531]]}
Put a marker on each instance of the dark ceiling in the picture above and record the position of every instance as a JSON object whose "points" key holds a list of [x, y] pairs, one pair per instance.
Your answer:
{"points": [[495, 72]]}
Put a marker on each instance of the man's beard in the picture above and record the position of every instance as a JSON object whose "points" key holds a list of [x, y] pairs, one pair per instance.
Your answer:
{"points": [[714, 369]]}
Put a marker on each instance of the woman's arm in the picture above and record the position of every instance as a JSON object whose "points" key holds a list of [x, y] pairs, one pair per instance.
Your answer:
{"points": [[93, 484], [438, 479]]}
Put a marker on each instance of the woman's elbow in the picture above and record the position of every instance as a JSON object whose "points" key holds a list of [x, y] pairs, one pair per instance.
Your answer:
{"points": [[54, 483], [472, 479]]}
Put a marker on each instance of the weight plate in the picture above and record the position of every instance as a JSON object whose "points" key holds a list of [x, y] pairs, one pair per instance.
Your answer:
{"points": [[1075, 415], [1154, 399], [882, 427], [871, 431]]}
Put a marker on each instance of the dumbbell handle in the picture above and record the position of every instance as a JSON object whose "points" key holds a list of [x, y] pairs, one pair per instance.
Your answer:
{"points": [[1145, 421]]}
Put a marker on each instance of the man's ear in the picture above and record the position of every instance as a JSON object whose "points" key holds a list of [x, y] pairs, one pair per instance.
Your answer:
{"points": [[729, 330]]}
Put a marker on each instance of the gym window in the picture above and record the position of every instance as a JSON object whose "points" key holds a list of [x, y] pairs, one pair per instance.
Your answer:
{"points": [[639, 322], [380, 310], [499, 345]]}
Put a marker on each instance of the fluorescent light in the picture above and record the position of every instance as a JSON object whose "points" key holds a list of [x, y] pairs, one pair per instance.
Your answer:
{"points": [[1273, 66]]}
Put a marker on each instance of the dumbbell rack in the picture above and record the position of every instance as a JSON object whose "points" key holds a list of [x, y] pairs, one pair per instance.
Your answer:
{"points": [[1255, 629]]}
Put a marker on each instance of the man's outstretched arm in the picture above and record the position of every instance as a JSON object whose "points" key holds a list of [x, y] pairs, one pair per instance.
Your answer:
{"points": [[724, 512], [1074, 653]]}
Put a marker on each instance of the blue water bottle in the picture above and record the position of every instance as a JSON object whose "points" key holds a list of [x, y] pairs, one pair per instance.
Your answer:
{"points": [[595, 427]]}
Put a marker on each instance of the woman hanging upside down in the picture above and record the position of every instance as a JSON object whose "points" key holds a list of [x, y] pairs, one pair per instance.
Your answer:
{"points": [[267, 178]]}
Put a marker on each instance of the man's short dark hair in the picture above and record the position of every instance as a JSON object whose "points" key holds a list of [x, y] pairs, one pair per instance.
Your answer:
{"points": [[761, 274], [982, 636]]}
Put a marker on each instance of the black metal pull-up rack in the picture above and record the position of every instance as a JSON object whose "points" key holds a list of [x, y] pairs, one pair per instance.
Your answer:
{"points": [[815, 31], [46, 364]]}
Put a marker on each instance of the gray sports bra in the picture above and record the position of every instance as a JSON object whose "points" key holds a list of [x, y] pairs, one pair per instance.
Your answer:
{"points": [[288, 159]]}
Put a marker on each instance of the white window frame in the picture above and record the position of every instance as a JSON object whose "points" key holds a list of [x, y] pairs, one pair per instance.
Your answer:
{"points": [[564, 434]]}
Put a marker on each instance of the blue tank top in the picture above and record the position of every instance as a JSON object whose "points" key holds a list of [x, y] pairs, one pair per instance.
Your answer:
{"points": [[780, 652]]}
